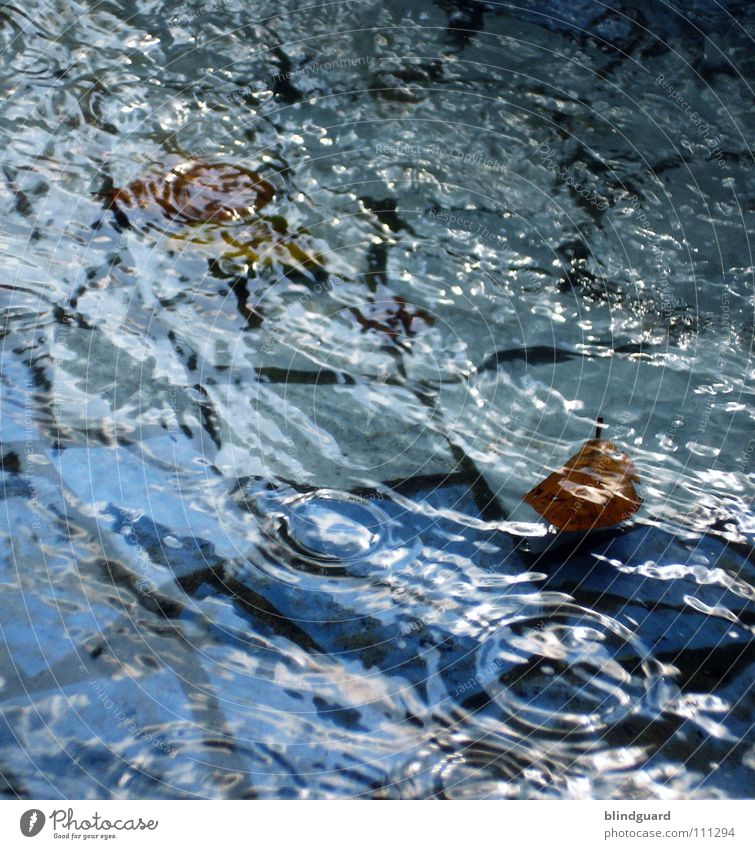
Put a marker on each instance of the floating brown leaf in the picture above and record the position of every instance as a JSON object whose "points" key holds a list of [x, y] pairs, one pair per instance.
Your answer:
{"points": [[592, 490]]}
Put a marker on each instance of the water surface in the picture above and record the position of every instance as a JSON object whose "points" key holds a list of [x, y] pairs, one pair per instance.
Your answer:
{"points": [[262, 530]]}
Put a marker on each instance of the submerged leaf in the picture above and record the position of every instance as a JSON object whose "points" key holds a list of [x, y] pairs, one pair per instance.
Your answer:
{"points": [[393, 317], [216, 207], [268, 242], [197, 192], [594, 489]]}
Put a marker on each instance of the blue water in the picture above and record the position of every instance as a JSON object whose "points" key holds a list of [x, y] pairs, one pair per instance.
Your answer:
{"points": [[263, 530]]}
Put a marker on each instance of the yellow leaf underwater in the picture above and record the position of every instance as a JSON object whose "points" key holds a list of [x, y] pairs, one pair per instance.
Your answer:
{"points": [[267, 242]]}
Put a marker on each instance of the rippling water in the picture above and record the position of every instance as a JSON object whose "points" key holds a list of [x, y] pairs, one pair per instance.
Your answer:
{"points": [[263, 470]]}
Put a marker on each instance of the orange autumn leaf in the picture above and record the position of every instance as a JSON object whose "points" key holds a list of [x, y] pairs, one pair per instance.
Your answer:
{"points": [[594, 489]]}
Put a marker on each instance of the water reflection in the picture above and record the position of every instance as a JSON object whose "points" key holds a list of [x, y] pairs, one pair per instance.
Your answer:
{"points": [[290, 329]]}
